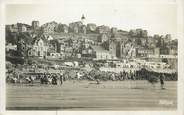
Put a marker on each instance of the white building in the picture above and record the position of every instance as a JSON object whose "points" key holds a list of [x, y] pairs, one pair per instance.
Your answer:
{"points": [[39, 48]]}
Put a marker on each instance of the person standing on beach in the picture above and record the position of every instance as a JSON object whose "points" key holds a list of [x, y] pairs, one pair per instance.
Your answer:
{"points": [[162, 77], [61, 79]]}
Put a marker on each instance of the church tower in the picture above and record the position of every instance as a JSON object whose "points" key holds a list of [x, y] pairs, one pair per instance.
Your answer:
{"points": [[83, 19]]}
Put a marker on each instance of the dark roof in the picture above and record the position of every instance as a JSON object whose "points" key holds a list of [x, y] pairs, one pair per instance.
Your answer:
{"points": [[83, 17]]}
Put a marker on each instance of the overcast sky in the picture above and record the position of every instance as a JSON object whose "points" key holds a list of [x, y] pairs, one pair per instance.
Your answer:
{"points": [[156, 18]]}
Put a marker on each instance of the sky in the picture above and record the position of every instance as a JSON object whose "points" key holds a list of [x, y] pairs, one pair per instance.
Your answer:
{"points": [[156, 18]]}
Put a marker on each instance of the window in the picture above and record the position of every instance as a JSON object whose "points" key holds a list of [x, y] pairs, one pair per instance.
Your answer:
{"points": [[38, 53], [101, 56], [29, 53]]}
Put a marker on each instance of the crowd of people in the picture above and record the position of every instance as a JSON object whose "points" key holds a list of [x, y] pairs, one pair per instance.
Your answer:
{"points": [[94, 75]]}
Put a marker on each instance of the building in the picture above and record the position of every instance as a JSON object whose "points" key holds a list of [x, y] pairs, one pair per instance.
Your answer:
{"points": [[142, 52], [83, 29], [35, 25], [151, 43], [101, 54], [88, 52], [133, 33], [83, 19], [57, 45], [119, 48], [11, 47], [164, 51], [49, 27], [65, 28], [39, 48], [23, 44], [111, 46], [54, 55], [156, 51], [123, 35], [143, 41], [75, 27], [173, 51], [12, 28], [138, 33], [21, 27], [171, 60], [91, 28], [103, 29], [68, 52], [49, 37], [125, 50], [61, 28], [144, 33], [102, 37], [114, 30]]}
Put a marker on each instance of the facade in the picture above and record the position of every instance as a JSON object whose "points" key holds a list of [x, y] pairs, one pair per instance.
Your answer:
{"points": [[138, 33], [125, 50], [83, 19], [101, 54], [35, 25], [173, 51], [103, 29], [65, 28], [61, 28], [54, 55], [75, 27], [49, 27], [164, 51], [119, 48], [102, 37], [22, 48], [38, 49], [157, 51], [83, 29], [151, 43], [91, 28], [142, 52], [49, 37], [87, 52], [114, 30], [57, 45], [11, 47], [12, 28], [21, 27], [144, 33], [111, 46]]}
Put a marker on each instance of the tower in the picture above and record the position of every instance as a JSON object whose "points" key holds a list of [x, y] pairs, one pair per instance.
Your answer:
{"points": [[83, 19], [35, 24]]}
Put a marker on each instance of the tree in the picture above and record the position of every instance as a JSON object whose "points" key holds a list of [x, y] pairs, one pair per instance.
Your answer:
{"points": [[11, 37]]}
